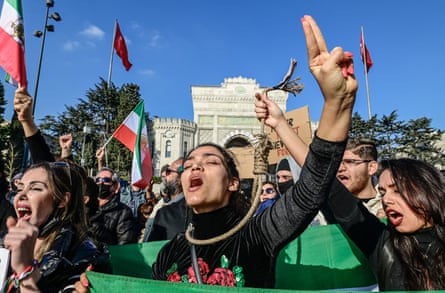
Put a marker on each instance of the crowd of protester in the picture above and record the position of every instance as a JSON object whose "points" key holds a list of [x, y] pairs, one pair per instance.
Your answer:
{"points": [[57, 222]]}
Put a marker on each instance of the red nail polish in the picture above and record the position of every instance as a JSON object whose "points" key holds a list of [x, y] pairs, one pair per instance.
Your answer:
{"points": [[344, 72]]}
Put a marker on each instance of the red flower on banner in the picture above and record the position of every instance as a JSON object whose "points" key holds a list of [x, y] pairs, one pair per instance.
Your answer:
{"points": [[174, 277], [222, 277], [203, 270]]}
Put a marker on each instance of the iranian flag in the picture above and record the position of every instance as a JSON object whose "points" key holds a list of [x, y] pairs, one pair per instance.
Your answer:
{"points": [[12, 42], [133, 134]]}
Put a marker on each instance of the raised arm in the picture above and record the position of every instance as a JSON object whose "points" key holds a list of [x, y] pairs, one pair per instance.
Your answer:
{"points": [[334, 74], [338, 89], [66, 143], [38, 147], [23, 107]]}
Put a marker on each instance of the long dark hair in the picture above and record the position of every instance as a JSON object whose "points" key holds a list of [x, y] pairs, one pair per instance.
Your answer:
{"points": [[422, 187], [237, 199], [65, 177]]}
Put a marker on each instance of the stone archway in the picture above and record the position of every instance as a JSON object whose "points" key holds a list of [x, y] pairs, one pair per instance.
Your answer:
{"points": [[238, 138]]}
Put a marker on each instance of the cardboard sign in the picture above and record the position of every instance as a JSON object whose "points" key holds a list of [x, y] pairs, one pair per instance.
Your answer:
{"points": [[299, 120], [4, 266]]}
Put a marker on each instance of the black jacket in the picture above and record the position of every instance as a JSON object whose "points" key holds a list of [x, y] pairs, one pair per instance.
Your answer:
{"points": [[67, 258], [114, 223], [38, 148], [372, 237], [252, 251], [169, 221]]}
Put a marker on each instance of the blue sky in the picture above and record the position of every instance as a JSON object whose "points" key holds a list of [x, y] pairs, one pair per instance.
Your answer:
{"points": [[176, 44]]}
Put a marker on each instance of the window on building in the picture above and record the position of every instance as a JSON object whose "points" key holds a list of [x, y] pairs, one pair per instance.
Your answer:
{"points": [[168, 148], [185, 148]]}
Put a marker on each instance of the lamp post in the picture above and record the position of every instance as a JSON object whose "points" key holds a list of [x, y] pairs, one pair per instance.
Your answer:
{"points": [[86, 131], [38, 34]]}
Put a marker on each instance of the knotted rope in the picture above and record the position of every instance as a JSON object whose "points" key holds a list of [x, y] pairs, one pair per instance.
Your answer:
{"points": [[262, 146]]}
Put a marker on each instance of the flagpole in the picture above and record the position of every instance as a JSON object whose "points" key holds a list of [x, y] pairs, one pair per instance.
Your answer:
{"points": [[112, 54], [365, 62], [110, 69]]}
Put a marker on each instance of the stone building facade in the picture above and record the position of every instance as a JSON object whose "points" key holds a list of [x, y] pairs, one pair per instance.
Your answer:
{"points": [[173, 138], [223, 115]]}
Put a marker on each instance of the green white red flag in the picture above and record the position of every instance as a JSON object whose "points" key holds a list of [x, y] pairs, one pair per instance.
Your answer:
{"points": [[133, 134], [12, 42]]}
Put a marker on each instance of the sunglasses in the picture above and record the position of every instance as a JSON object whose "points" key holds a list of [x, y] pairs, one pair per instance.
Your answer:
{"points": [[103, 180], [269, 190], [65, 165], [169, 171]]}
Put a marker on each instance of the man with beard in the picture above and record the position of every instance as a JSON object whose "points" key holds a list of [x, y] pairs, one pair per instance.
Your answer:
{"points": [[113, 222], [357, 171], [171, 218]]}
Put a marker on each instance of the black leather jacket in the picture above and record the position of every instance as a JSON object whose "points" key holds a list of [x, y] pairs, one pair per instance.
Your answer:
{"points": [[372, 237], [170, 220], [114, 223], [67, 258]]}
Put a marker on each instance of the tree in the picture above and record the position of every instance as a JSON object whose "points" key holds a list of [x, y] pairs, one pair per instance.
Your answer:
{"points": [[395, 138], [11, 139], [4, 135], [419, 141], [16, 157], [388, 132], [102, 111], [361, 128]]}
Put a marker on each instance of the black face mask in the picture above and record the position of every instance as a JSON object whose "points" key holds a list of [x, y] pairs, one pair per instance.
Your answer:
{"points": [[284, 186], [104, 191]]}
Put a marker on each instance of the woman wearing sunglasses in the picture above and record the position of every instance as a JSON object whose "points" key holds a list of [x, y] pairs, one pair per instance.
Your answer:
{"points": [[268, 197], [48, 242]]}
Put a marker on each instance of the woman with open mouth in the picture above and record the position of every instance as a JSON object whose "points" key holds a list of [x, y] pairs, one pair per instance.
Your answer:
{"points": [[211, 184], [409, 252], [48, 244]]}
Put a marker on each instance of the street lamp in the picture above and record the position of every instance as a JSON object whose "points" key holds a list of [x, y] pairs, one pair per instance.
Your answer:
{"points": [[86, 131], [47, 27]]}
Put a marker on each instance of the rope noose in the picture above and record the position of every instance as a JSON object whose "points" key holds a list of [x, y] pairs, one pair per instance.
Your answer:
{"points": [[262, 146]]}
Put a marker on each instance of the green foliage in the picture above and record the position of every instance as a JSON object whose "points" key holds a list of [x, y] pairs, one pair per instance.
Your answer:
{"points": [[4, 135], [16, 147], [157, 179], [11, 140], [101, 112], [397, 138]]}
